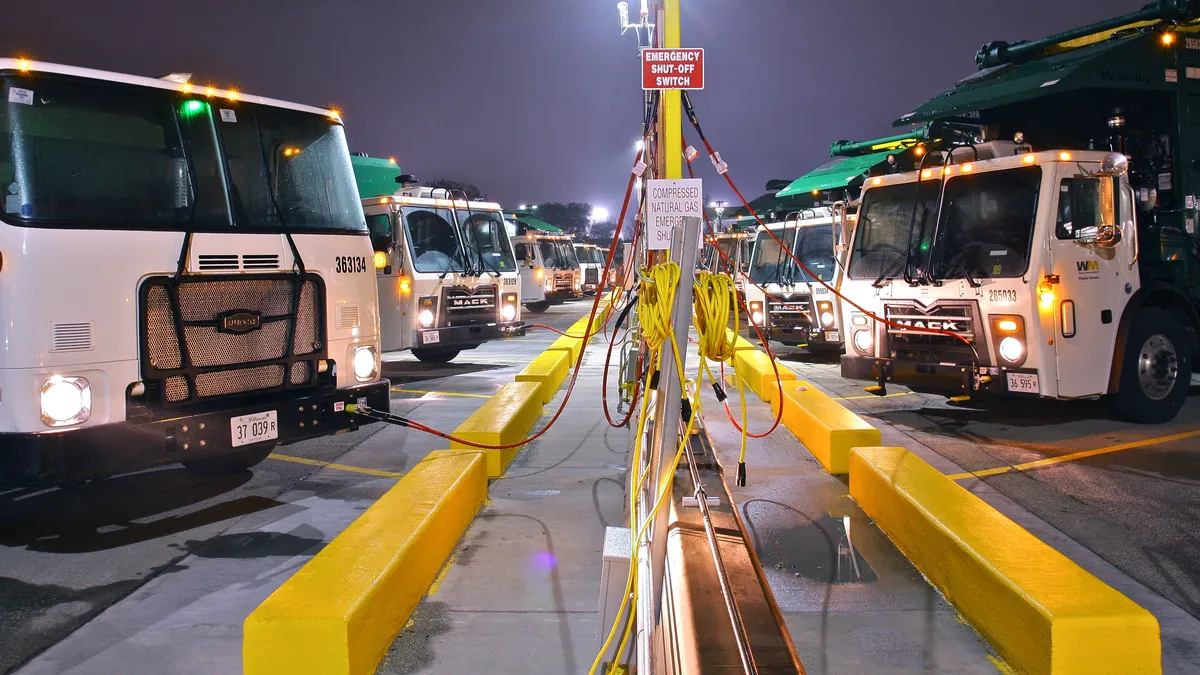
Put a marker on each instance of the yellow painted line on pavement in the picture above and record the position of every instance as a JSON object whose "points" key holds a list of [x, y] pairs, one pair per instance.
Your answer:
{"points": [[398, 390], [334, 465], [1070, 457]]}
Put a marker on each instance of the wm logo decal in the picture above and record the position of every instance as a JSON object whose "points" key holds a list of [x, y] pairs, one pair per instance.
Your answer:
{"points": [[1088, 266]]}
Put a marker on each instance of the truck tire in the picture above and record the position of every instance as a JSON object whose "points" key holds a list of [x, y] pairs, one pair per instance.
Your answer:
{"points": [[234, 462], [435, 355], [1156, 368], [537, 307]]}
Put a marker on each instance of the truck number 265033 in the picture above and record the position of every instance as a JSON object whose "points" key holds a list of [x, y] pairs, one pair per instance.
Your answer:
{"points": [[349, 264]]}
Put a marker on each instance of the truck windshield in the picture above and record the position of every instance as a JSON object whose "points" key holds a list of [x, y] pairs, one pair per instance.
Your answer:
{"points": [[558, 255], [814, 248], [434, 237], [486, 240], [771, 263], [881, 242], [82, 153], [987, 225]]}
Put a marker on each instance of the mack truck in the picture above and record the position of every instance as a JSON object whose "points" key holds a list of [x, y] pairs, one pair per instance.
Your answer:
{"points": [[791, 305], [590, 266], [448, 280], [729, 251], [550, 270], [1048, 248], [784, 301]]}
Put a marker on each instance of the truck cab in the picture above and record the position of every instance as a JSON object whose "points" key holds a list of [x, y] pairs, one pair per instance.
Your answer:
{"points": [[784, 301], [549, 262], [590, 266], [1063, 263], [447, 277]]}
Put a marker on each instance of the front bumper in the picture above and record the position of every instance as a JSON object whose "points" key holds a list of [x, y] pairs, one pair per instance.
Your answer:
{"points": [[796, 335], [466, 337], [563, 294], [941, 378], [104, 450]]}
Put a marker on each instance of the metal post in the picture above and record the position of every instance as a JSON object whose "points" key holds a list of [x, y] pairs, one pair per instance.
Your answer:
{"points": [[668, 409]]}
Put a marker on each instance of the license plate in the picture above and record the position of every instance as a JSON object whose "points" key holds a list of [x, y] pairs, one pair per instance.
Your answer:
{"points": [[833, 336], [430, 337], [254, 428], [1023, 383]]}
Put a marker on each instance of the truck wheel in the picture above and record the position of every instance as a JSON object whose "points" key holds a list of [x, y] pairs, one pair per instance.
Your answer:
{"points": [[435, 355], [537, 307], [235, 462], [1156, 369]]}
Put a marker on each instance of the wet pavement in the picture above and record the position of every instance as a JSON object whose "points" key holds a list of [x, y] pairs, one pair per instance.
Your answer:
{"points": [[159, 568]]}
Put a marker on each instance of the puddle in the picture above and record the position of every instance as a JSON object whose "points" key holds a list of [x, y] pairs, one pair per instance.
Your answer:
{"points": [[821, 550]]}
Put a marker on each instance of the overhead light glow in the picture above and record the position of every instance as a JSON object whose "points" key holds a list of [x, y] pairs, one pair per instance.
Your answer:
{"points": [[1029, 159], [968, 168], [1168, 39], [1064, 156], [876, 181], [23, 65], [599, 214]]}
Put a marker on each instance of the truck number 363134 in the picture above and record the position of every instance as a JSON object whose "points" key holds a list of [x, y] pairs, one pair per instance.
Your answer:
{"points": [[350, 264]]}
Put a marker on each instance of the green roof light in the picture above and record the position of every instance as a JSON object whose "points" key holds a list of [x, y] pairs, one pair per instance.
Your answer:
{"points": [[193, 107]]}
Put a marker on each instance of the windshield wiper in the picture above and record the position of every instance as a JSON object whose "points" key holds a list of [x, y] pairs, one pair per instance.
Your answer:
{"points": [[283, 224], [960, 265]]}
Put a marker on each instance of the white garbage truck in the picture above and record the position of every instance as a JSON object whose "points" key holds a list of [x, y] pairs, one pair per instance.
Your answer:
{"points": [[1051, 251], [185, 276], [448, 279]]}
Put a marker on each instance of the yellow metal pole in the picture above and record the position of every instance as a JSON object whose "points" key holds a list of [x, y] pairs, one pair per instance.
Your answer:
{"points": [[672, 107]]}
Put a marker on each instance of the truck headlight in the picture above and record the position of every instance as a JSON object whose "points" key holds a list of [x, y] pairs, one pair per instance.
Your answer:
{"points": [[66, 401], [1011, 349], [365, 364], [425, 316], [508, 310], [578, 283], [862, 341], [549, 284], [756, 315], [826, 310]]}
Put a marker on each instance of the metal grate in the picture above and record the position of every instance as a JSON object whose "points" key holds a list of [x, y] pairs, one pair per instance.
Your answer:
{"points": [[301, 372], [469, 307], [591, 276], [260, 262], [218, 262], [790, 311], [217, 358], [226, 382], [177, 389], [162, 341], [347, 317], [71, 337]]}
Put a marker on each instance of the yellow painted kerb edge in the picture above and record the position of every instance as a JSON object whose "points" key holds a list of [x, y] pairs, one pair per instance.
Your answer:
{"points": [[340, 612], [1042, 612]]}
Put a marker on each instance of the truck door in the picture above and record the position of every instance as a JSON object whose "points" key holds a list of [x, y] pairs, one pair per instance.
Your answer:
{"points": [[531, 285], [1091, 292], [391, 300]]}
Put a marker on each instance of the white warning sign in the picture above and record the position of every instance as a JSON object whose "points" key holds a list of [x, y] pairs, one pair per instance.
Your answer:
{"points": [[668, 202]]}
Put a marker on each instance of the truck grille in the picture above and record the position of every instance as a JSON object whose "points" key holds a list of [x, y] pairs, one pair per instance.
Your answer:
{"points": [[204, 338], [911, 342], [790, 311], [469, 307], [591, 276], [564, 282]]}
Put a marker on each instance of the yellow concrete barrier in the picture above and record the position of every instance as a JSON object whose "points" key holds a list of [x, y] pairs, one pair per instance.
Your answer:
{"points": [[754, 367], [549, 370], [739, 343], [569, 345], [504, 419], [1041, 611], [340, 612], [823, 425]]}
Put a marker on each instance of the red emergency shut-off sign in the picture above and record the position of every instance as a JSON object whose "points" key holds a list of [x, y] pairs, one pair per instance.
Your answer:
{"points": [[672, 69]]}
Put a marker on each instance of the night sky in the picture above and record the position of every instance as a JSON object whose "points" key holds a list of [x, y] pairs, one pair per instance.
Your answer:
{"points": [[538, 100]]}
